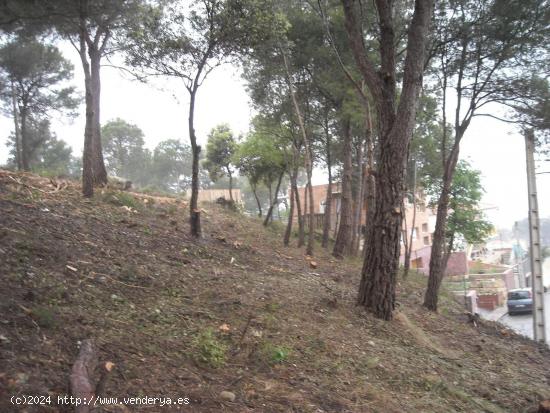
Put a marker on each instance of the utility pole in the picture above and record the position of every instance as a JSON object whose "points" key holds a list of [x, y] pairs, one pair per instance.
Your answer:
{"points": [[539, 327]]}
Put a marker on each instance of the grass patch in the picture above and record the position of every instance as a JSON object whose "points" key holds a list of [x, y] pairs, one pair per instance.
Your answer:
{"points": [[120, 199], [274, 354], [44, 316], [208, 350]]}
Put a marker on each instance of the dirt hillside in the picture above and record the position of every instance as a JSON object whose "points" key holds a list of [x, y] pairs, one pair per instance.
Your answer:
{"points": [[234, 322]]}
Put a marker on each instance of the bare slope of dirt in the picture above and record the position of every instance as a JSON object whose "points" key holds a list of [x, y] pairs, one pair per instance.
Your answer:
{"points": [[233, 312]]}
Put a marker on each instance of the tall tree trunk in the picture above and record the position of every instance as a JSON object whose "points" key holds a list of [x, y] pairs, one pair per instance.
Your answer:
{"points": [[408, 247], [254, 191], [308, 155], [98, 167], [328, 201], [395, 126], [370, 184], [337, 212], [364, 177], [311, 222], [230, 185], [359, 200], [25, 152], [17, 130], [437, 258], [342, 246], [87, 153], [306, 204], [195, 217], [288, 230], [327, 218], [404, 236], [301, 229], [275, 202]]}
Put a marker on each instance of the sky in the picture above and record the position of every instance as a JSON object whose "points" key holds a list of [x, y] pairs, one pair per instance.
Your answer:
{"points": [[160, 110]]}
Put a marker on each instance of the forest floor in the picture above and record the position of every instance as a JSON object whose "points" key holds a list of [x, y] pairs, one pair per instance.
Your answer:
{"points": [[233, 312]]}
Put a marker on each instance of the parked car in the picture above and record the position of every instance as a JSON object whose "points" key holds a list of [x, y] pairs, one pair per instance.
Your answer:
{"points": [[520, 300]]}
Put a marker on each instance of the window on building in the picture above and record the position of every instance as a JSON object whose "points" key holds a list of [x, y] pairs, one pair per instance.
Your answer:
{"points": [[322, 207], [425, 227], [426, 240], [422, 207], [415, 233]]}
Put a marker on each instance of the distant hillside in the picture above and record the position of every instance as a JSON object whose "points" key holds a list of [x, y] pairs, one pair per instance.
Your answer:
{"points": [[234, 322]]}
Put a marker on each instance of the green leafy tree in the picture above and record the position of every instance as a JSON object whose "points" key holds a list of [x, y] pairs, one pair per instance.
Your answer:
{"points": [[481, 50], [171, 166], [220, 151], [96, 29], [49, 155], [262, 158], [466, 220], [188, 40], [123, 146], [56, 157], [33, 76], [384, 73]]}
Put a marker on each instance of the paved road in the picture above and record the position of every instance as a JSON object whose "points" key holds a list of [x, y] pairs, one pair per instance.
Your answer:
{"points": [[523, 323]]}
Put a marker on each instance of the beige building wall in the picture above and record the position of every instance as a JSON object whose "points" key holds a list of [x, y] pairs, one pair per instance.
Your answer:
{"points": [[424, 225], [424, 221]]}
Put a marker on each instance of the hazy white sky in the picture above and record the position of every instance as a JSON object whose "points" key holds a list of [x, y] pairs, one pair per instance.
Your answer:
{"points": [[160, 110]]}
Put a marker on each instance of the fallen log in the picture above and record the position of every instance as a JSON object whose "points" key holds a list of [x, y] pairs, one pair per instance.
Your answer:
{"points": [[544, 407], [81, 376]]}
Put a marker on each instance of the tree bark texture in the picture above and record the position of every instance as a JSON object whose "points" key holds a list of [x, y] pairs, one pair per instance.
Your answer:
{"points": [[254, 191], [299, 214], [98, 166], [370, 184], [195, 213], [230, 185], [327, 218], [342, 246], [269, 215], [437, 259], [25, 161], [395, 126], [328, 201], [288, 230], [311, 215], [308, 156], [17, 130], [359, 200], [408, 245], [81, 378], [87, 153]]}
